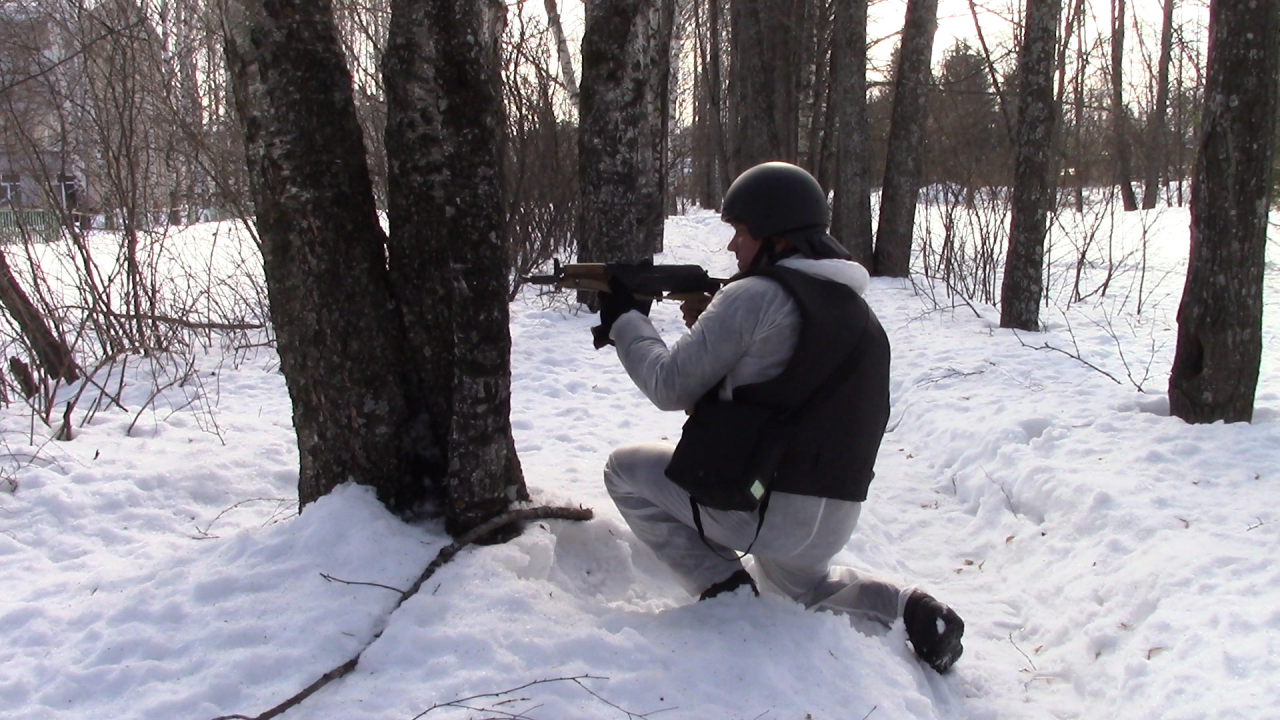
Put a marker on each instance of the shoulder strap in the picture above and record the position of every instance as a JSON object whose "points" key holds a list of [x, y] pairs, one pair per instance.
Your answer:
{"points": [[809, 375], [697, 523]]}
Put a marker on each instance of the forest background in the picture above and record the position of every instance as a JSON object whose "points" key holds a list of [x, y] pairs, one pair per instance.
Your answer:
{"points": [[399, 167], [134, 119]]}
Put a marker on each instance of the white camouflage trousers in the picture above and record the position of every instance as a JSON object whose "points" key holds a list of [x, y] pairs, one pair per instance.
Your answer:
{"points": [[793, 552]]}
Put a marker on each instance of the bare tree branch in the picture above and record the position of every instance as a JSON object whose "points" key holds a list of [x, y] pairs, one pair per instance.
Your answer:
{"points": [[111, 32], [445, 555]]}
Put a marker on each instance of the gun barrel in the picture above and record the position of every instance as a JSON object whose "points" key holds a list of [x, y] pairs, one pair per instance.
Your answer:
{"points": [[673, 282]]}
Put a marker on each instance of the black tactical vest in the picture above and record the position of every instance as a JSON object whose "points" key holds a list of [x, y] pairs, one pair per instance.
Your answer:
{"points": [[833, 393]]}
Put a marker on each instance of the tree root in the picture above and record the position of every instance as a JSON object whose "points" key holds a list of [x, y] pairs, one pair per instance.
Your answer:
{"points": [[445, 555]]}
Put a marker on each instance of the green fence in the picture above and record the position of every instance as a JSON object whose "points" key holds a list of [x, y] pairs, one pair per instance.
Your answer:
{"points": [[37, 225]]}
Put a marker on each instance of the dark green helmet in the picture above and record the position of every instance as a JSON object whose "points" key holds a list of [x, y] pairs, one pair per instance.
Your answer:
{"points": [[776, 198]]}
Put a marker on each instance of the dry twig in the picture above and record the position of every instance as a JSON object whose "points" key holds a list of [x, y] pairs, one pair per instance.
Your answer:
{"points": [[331, 578], [1073, 356], [445, 555], [576, 680], [1015, 647]]}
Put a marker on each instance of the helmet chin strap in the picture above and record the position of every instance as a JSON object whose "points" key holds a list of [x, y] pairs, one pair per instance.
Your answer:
{"points": [[768, 254], [763, 256]]}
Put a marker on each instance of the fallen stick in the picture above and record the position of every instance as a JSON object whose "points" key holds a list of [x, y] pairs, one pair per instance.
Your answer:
{"points": [[445, 555]]}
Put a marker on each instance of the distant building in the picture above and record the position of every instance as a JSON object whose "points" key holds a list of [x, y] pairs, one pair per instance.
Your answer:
{"points": [[84, 122], [39, 163]]}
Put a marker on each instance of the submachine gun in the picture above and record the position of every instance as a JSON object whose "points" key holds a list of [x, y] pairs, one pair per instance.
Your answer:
{"points": [[645, 280]]}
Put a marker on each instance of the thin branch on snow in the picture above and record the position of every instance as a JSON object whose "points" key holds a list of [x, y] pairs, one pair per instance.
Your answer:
{"points": [[1015, 647], [1004, 492], [576, 680], [948, 375], [922, 291], [445, 555], [1076, 357], [178, 321], [203, 534], [537, 513], [331, 578], [594, 694]]}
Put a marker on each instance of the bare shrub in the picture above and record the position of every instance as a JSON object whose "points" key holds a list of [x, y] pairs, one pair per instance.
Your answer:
{"points": [[963, 239], [541, 165]]}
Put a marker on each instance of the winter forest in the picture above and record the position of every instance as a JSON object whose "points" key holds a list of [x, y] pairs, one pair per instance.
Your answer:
{"points": [[326, 210]]}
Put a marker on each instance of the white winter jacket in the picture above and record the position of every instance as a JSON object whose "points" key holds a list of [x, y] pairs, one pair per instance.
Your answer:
{"points": [[746, 335]]}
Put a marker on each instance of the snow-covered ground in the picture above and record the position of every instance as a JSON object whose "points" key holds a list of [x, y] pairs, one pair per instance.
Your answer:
{"points": [[1110, 561]]}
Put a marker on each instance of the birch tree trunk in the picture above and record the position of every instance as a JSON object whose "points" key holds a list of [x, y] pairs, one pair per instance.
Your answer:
{"points": [[904, 159], [716, 97], [1033, 193], [1215, 367], [340, 339], [447, 246], [1082, 168], [562, 51], [396, 352], [626, 47]]}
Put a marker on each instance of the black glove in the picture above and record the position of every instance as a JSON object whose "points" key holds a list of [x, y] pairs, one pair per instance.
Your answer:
{"points": [[613, 305]]}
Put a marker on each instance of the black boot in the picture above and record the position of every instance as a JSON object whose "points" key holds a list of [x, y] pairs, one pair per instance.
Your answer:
{"points": [[934, 630], [729, 584]]}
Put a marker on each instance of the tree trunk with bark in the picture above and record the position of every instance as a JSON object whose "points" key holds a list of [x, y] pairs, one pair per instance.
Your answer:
{"points": [[396, 354], [1215, 367], [1156, 123], [1119, 115], [710, 155], [447, 246], [764, 80], [904, 159], [626, 47], [49, 348], [562, 52], [1081, 169], [851, 209], [340, 339], [1033, 187]]}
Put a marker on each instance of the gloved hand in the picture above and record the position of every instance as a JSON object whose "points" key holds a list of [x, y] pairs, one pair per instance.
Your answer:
{"points": [[613, 305], [693, 308]]}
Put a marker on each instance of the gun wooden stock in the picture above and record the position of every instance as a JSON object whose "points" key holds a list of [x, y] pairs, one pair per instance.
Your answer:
{"points": [[654, 282]]}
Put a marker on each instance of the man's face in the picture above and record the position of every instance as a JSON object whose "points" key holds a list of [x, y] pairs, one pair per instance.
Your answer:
{"points": [[743, 245]]}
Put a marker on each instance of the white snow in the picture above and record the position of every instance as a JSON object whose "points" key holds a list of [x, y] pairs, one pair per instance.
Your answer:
{"points": [[1108, 560]]}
